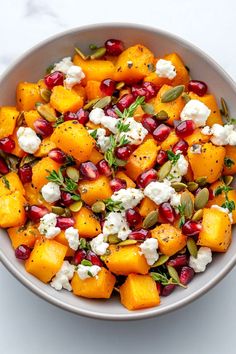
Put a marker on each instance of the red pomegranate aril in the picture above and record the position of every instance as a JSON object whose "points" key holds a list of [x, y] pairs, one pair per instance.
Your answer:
{"points": [[185, 128], [104, 168], [110, 111], [138, 90], [162, 157], [191, 228], [211, 194], [150, 89], [22, 252], [198, 87], [114, 47], [7, 145], [179, 261], [146, 177], [89, 170], [69, 116], [159, 287], [123, 152], [168, 289], [66, 198], [186, 275], [43, 127], [133, 217], [93, 258], [64, 223], [161, 132], [57, 155], [25, 173], [108, 87], [167, 212], [181, 146], [149, 123], [54, 79], [117, 183], [125, 101], [35, 212], [3, 166], [79, 256], [139, 235], [82, 116]]}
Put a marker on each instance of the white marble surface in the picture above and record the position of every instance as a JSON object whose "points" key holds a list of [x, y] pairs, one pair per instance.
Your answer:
{"points": [[30, 325]]}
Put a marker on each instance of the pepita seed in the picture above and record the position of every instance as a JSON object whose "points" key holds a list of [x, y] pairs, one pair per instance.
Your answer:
{"points": [[192, 247], [197, 215], [98, 207], [228, 180], [81, 54], [45, 94], [151, 219], [162, 115], [113, 239], [161, 260], [178, 186], [72, 173], [127, 243], [12, 162], [46, 112], [29, 160], [99, 53], [172, 94], [164, 170], [91, 103], [186, 97], [20, 119], [67, 212], [224, 108], [120, 85], [75, 207], [202, 181], [173, 273], [148, 108], [192, 186], [93, 46], [201, 199], [58, 210], [103, 102], [187, 203]]}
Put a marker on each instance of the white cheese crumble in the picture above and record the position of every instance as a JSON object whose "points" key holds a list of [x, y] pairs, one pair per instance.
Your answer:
{"points": [[103, 141], [85, 272], [224, 210], [179, 169], [196, 149], [129, 198], [116, 223], [165, 68], [51, 192], [98, 245], [136, 132], [97, 116], [63, 277], [221, 135], [196, 111], [47, 226], [149, 250], [72, 236], [74, 76], [28, 140], [63, 65], [175, 201], [159, 192], [206, 130], [204, 257]]}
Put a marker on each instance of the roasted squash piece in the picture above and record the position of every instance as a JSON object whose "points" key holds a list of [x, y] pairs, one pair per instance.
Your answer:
{"points": [[8, 117], [44, 148], [122, 175], [197, 138], [170, 141], [61, 238], [41, 170], [87, 223], [92, 191], [30, 117], [64, 100], [95, 156], [170, 239], [17, 151], [92, 89], [11, 183], [23, 235], [230, 160], [27, 95], [12, 212], [146, 206]]}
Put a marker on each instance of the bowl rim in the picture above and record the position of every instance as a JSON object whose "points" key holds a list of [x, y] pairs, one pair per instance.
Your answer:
{"points": [[156, 311]]}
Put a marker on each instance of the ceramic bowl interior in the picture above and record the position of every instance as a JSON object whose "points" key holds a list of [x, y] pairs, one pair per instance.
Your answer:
{"points": [[32, 66]]}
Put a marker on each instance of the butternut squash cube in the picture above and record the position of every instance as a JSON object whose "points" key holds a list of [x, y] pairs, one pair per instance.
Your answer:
{"points": [[95, 156], [17, 151], [61, 238], [96, 70], [12, 212], [27, 94], [23, 235], [8, 117], [146, 206], [230, 156], [170, 239], [122, 175], [170, 141], [30, 117], [44, 148], [197, 138], [64, 100], [41, 170], [87, 223], [11, 183], [92, 191], [93, 90]]}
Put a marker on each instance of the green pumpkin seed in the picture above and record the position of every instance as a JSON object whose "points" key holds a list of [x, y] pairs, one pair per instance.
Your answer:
{"points": [[228, 180], [45, 112], [178, 186], [186, 97], [103, 102], [45, 94], [29, 160], [58, 210], [192, 186], [75, 207], [197, 215], [172, 94], [20, 119], [67, 212], [173, 274], [148, 108], [164, 170], [99, 53], [162, 115], [161, 260], [224, 108], [202, 181], [120, 85], [93, 46], [113, 239], [201, 199], [192, 247], [187, 203], [72, 173], [12, 162], [127, 243], [81, 54], [151, 219], [91, 103], [98, 207]]}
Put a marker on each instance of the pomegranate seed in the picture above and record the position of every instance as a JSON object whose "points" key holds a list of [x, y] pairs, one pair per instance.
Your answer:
{"points": [[167, 212], [186, 275], [94, 259], [69, 116], [185, 128], [108, 87], [161, 132], [81, 116], [198, 87], [123, 152], [179, 261], [25, 173], [104, 168], [7, 145], [159, 287], [180, 146], [114, 47], [133, 217], [36, 212], [43, 127], [89, 170], [211, 194], [66, 198], [110, 111], [146, 177], [151, 90], [125, 101], [162, 157], [3, 166], [57, 155], [64, 223], [139, 90], [117, 183], [149, 123], [79, 256], [54, 79], [139, 235], [168, 289], [22, 252], [191, 228]]}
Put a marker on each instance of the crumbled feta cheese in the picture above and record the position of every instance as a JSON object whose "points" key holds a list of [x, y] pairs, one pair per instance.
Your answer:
{"points": [[206, 130], [232, 138], [221, 135], [175, 201], [178, 169], [224, 210], [74, 76], [159, 192], [204, 256], [97, 116], [165, 68], [72, 236], [136, 132], [47, 226], [28, 140], [196, 149], [63, 65], [63, 277], [149, 250], [197, 111], [85, 272], [103, 141], [51, 192], [98, 245], [129, 197], [115, 223]]}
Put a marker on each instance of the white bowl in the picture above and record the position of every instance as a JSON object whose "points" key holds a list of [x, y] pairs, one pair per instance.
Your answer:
{"points": [[30, 67]]}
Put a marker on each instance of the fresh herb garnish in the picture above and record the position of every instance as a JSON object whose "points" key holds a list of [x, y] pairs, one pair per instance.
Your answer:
{"points": [[84, 244], [6, 182], [228, 204], [164, 280], [129, 112], [67, 184], [116, 141], [112, 205], [173, 157], [228, 162], [59, 121], [94, 133], [181, 209], [85, 262]]}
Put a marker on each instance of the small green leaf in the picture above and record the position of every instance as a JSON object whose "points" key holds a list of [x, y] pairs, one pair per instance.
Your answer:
{"points": [[173, 274], [85, 262]]}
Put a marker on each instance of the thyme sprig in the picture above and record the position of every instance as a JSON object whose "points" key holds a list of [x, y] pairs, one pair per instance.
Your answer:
{"points": [[228, 204], [129, 112], [181, 209], [112, 205], [67, 184], [173, 157]]}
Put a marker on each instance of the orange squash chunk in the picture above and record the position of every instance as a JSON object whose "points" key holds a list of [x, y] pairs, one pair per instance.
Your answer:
{"points": [[146, 206], [197, 138], [12, 212], [31, 117], [230, 153], [27, 94], [122, 175], [170, 239], [8, 117], [87, 223], [92, 191], [93, 89], [41, 170], [95, 156], [61, 238], [23, 235], [64, 100], [44, 148], [17, 151], [139, 292], [170, 141], [11, 183]]}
